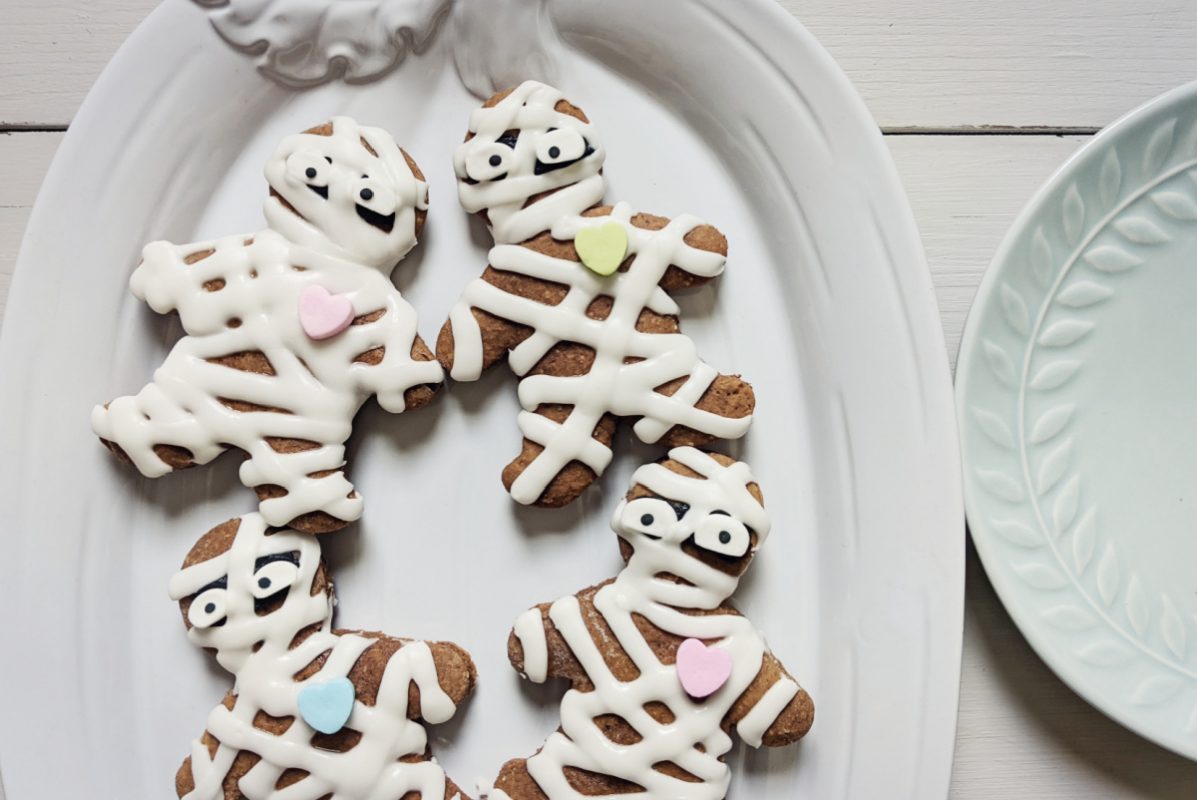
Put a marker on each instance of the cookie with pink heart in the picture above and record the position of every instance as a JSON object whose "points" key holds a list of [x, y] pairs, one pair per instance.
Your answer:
{"points": [[287, 332], [663, 670]]}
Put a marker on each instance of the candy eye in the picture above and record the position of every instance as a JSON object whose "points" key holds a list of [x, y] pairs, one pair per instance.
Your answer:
{"points": [[722, 534], [650, 516], [273, 578], [208, 608], [309, 168], [560, 147], [374, 195], [489, 162]]}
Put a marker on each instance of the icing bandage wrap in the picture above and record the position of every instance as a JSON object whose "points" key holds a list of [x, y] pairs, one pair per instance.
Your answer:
{"points": [[263, 604], [612, 315], [693, 524], [249, 373], [530, 632]]}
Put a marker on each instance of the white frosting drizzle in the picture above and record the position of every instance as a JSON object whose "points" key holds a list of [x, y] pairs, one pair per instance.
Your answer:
{"points": [[255, 309], [529, 628], [754, 724], [265, 682], [612, 385], [637, 590]]}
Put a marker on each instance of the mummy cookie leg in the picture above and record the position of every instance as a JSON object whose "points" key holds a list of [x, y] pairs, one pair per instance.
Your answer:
{"points": [[288, 331], [316, 711], [663, 670], [576, 297]]}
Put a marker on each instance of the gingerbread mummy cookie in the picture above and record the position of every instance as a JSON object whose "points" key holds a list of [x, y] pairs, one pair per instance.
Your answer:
{"points": [[315, 712], [576, 298], [663, 670], [288, 331]]}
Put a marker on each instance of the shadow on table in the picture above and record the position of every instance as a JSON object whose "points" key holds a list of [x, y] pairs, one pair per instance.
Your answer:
{"points": [[1068, 737]]}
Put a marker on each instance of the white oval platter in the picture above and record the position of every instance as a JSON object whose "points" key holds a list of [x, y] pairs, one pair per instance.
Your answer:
{"points": [[736, 116]]}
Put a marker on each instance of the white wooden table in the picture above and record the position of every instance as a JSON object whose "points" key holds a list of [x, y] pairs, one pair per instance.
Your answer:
{"points": [[980, 101]]}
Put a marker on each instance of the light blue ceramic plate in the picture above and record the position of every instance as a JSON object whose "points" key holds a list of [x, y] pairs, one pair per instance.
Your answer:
{"points": [[1077, 399]]}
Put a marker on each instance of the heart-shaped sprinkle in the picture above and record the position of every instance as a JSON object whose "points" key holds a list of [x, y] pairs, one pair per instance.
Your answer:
{"points": [[326, 706], [701, 669], [322, 314], [603, 247]]}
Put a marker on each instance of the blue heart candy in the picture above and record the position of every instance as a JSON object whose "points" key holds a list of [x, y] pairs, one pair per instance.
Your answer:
{"points": [[326, 706]]}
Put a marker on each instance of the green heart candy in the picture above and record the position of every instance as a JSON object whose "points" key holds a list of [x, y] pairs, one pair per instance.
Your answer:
{"points": [[603, 247]]}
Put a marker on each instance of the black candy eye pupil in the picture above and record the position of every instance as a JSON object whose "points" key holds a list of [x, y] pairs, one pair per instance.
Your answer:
{"points": [[646, 519], [367, 194], [263, 582], [310, 172], [724, 537], [554, 151], [209, 608], [496, 160]]}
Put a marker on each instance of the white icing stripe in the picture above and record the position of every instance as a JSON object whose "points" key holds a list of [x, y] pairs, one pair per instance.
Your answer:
{"points": [[257, 650], [754, 724], [244, 297], [467, 344], [650, 429], [558, 158], [530, 631], [657, 530]]}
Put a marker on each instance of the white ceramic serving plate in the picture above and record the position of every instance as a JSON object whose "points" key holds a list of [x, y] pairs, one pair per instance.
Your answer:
{"points": [[1076, 389], [826, 306]]}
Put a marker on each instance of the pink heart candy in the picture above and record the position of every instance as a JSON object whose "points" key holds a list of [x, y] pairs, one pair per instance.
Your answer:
{"points": [[324, 315], [701, 669]]}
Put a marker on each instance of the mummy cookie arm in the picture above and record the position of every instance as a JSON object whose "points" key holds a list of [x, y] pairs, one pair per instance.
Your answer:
{"points": [[538, 651], [197, 280], [390, 363], [774, 711], [453, 662], [445, 675], [465, 351]]}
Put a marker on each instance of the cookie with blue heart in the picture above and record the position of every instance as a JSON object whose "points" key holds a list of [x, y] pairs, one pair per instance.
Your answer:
{"points": [[316, 711]]}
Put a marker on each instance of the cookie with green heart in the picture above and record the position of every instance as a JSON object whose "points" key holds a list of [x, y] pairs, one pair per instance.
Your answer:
{"points": [[577, 299], [315, 712]]}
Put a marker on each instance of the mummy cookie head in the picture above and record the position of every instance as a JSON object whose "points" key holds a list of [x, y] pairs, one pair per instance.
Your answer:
{"points": [[267, 588], [695, 516], [347, 190], [314, 712], [663, 671], [529, 156], [289, 330]]}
